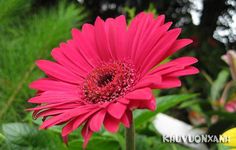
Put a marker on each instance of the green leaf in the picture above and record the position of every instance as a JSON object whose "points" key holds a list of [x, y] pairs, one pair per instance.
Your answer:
{"points": [[219, 84], [118, 137], [2, 138], [96, 143], [21, 136], [189, 103], [223, 147], [163, 103], [155, 143]]}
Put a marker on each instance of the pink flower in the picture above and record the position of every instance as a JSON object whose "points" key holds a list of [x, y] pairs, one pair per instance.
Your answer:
{"points": [[230, 106], [107, 70]]}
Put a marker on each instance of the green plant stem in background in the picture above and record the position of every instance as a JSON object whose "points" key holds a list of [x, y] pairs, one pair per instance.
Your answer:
{"points": [[130, 137]]}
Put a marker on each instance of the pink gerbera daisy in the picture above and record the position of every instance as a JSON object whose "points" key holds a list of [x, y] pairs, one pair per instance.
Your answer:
{"points": [[107, 70]]}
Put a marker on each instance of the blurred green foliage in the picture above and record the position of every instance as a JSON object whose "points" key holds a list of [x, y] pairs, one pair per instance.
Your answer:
{"points": [[26, 41], [29, 33]]}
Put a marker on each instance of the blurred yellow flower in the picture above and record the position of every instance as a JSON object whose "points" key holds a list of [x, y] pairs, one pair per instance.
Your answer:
{"points": [[231, 135]]}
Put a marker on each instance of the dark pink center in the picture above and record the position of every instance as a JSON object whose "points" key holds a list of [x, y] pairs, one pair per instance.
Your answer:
{"points": [[108, 82]]}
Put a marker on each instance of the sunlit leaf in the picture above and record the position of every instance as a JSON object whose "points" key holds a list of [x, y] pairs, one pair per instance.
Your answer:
{"points": [[219, 84], [163, 103], [96, 143]]}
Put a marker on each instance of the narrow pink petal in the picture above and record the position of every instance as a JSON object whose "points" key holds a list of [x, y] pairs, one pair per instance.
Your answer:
{"points": [[97, 119], [134, 104], [174, 65], [160, 49], [168, 82], [49, 112], [86, 133], [117, 37], [187, 71], [62, 105], [169, 70], [111, 124], [121, 33], [83, 118], [54, 121], [127, 118], [68, 128], [123, 101], [85, 41], [178, 44], [148, 80], [137, 31], [149, 43], [101, 40], [55, 70], [160, 20], [55, 97], [140, 94], [58, 55], [150, 104], [65, 139], [71, 113], [74, 55], [116, 110], [46, 84]]}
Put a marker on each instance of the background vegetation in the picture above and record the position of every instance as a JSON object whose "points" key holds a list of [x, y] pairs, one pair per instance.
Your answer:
{"points": [[29, 29]]}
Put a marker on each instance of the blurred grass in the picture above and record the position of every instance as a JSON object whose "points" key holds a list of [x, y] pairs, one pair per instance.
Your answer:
{"points": [[24, 40], [11, 8]]}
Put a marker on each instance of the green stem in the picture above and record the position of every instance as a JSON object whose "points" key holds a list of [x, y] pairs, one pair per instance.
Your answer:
{"points": [[130, 137]]}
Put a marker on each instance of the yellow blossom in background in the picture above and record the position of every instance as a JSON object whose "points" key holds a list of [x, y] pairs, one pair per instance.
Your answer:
{"points": [[231, 135]]}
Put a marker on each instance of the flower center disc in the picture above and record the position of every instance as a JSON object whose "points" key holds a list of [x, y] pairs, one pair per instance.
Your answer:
{"points": [[108, 82]]}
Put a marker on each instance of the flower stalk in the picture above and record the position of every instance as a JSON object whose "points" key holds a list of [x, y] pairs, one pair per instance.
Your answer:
{"points": [[130, 137]]}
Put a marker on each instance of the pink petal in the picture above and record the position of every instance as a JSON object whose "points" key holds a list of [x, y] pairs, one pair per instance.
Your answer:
{"points": [[86, 133], [66, 116], [55, 97], [134, 104], [46, 84], [49, 112], [123, 101], [116, 110], [140, 94], [150, 104], [70, 51], [174, 65], [83, 118], [65, 105], [117, 36], [187, 71], [101, 40], [85, 41], [58, 55], [137, 30], [68, 128], [79, 119], [160, 49], [127, 118], [58, 71], [149, 43], [111, 124], [168, 82], [148, 80], [65, 139], [178, 44], [96, 121]]}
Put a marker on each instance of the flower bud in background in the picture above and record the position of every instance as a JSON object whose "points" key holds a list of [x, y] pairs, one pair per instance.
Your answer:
{"points": [[231, 106], [230, 59]]}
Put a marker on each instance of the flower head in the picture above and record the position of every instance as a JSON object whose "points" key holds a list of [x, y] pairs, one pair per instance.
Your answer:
{"points": [[107, 70]]}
